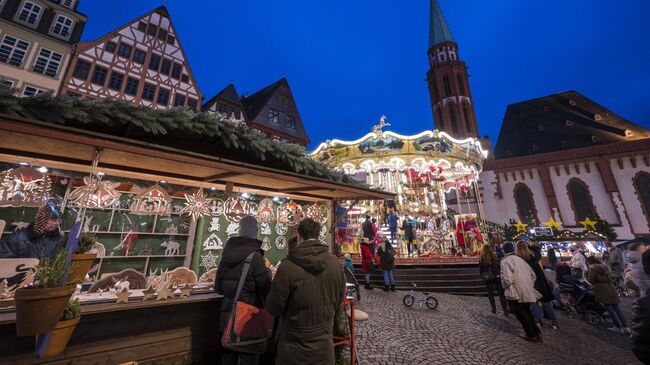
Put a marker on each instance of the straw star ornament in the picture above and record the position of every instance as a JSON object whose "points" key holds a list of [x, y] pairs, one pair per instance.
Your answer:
{"points": [[196, 205]]}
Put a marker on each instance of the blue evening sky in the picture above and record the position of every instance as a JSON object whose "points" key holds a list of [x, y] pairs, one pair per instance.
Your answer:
{"points": [[350, 61]]}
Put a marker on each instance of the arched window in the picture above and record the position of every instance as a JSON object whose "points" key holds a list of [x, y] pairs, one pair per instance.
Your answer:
{"points": [[525, 203], [642, 185], [581, 201], [445, 81], [468, 126], [461, 84], [452, 118]]}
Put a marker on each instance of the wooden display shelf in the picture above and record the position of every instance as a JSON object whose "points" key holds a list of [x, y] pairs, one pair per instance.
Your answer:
{"points": [[139, 256]]}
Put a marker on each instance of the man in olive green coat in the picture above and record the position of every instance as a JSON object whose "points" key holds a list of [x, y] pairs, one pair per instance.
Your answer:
{"points": [[308, 287]]}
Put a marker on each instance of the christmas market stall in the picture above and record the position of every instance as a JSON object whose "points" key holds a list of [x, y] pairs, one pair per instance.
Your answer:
{"points": [[421, 170], [148, 199]]}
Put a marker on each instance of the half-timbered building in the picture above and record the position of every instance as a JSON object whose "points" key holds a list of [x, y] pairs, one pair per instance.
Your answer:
{"points": [[36, 42], [227, 102], [142, 62]]}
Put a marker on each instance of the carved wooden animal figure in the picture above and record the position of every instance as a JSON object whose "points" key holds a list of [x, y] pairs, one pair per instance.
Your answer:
{"points": [[171, 247], [121, 285]]}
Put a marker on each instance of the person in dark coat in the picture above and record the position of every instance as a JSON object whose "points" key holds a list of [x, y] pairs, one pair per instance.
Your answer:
{"points": [[600, 277], [308, 289], [641, 321], [368, 231], [392, 226], [40, 239], [367, 263], [409, 233], [387, 257], [256, 287], [552, 258], [490, 269], [533, 256]]}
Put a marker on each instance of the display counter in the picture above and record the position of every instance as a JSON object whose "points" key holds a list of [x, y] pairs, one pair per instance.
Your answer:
{"points": [[173, 331]]}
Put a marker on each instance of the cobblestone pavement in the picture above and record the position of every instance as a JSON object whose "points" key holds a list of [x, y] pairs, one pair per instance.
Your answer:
{"points": [[462, 330]]}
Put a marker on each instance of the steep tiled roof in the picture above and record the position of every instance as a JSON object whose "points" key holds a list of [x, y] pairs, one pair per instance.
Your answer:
{"points": [[438, 29]]}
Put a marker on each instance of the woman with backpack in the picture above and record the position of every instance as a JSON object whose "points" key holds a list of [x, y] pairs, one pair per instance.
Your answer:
{"points": [[387, 258], [490, 268]]}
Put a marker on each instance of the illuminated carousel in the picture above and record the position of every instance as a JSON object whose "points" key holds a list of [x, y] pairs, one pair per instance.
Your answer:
{"points": [[421, 169]]}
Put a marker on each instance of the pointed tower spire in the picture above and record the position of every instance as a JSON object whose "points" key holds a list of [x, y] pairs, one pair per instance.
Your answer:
{"points": [[438, 29]]}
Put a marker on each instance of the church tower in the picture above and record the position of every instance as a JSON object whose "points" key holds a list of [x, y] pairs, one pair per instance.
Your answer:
{"points": [[451, 99]]}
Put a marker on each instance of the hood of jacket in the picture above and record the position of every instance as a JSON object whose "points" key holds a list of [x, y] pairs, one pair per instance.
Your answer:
{"points": [[633, 257], [238, 248], [310, 255]]}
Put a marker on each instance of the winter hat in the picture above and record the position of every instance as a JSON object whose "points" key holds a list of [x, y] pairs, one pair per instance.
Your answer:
{"points": [[508, 247], [248, 227], [45, 213], [347, 257]]}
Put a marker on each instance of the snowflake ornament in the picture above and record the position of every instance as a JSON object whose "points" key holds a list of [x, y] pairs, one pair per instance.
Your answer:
{"points": [[196, 205], [209, 260]]}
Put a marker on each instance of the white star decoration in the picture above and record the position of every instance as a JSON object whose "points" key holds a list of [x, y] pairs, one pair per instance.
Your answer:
{"points": [[197, 205], [208, 261]]}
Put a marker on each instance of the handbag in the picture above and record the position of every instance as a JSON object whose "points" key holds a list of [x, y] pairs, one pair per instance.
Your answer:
{"points": [[249, 327]]}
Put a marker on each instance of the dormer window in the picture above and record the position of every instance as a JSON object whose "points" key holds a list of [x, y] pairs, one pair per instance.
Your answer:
{"points": [[597, 117], [628, 133], [572, 102], [68, 3], [29, 13], [62, 26]]}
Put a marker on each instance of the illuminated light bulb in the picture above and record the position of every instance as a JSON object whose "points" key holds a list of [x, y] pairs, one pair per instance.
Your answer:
{"points": [[42, 169]]}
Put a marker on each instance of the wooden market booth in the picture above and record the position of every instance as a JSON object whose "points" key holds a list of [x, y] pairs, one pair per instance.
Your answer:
{"points": [[172, 331]]}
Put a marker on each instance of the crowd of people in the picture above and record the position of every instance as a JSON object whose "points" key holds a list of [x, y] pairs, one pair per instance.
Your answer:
{"points": [[514, 272]]}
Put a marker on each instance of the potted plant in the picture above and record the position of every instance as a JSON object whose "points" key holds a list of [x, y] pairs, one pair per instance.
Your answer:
{"points": [[39, 306], [63, 329], [81, 260]]}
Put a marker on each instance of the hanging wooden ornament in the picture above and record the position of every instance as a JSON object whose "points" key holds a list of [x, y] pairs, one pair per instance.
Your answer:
{"points": [[96, 193], [265, 211], [24, 187], [318, 212], [266, 243], [217, 207], [196, 205], [290, 213], [236, 209], [152, 201], [281, 242]]}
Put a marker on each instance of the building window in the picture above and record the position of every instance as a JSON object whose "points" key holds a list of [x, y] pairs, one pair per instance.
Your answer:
{"points": [[115, 81], [142, 26], [73, 94], [185, 78], [452, 118], [581, 200], [68, 3], [166, 66], [291, 122], [461, 85], [192, 103], [177, 68], [29, 13], [445, 80], [525, 203], [62, 26], [221, 107], [99, 75], [274, 116], [47, 62], [4, 83], [131, 86], [468, 126], [154, 62], [149, 91], [152, 29], [124, 50], [170, 40], [110, 47], [81, 70], [162, 34], [31, 91], [139, 56], [12, 50], [642, 185], [179, 100], [163, 97]]}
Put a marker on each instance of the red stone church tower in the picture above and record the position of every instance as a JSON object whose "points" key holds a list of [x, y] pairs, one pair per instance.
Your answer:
{"points": [[451, 99]]}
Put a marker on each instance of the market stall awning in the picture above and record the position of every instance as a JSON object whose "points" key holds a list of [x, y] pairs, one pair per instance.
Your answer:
{"points": [[58, 146]]}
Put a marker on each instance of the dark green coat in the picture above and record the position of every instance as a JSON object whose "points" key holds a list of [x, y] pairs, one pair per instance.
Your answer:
{"points": [[601, 279], [308, 287]]}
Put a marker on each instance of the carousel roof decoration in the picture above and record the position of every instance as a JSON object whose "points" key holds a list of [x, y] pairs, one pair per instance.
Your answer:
{"points": [[424, 157]]}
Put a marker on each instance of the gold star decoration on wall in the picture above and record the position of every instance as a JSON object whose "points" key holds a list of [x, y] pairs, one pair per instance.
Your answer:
{"points": [[588, 224], [521, 227], [552, 223]]}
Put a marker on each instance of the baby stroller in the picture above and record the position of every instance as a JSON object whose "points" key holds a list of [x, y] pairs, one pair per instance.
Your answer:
{"points": [[351, 284], [582, 301]]}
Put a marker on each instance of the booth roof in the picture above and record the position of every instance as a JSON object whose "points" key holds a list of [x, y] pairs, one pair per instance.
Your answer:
{"points": [[177, 131]]}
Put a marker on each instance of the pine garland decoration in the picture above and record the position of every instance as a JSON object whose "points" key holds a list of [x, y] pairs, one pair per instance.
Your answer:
{"points": [[120, 115]]}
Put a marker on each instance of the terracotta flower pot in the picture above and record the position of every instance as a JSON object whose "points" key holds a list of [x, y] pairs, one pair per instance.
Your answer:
{"points": [[38, 310], [81, 263], [60, 336]]}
